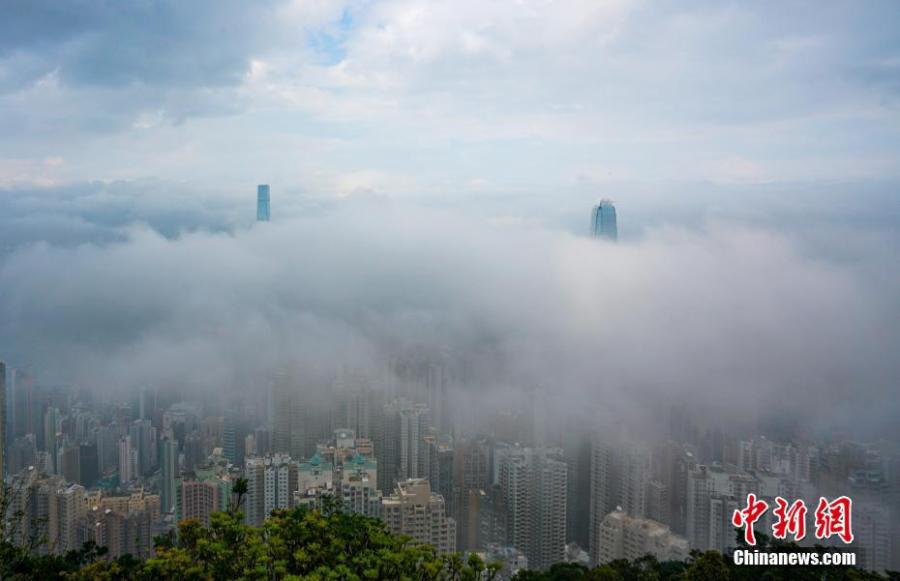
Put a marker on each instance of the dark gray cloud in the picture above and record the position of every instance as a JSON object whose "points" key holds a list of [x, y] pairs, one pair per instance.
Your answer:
{"points": [[94, 67], [108, 43]]}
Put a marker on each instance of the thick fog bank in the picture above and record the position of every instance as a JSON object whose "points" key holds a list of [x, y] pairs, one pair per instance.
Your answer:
{"points": [[732, 319]]}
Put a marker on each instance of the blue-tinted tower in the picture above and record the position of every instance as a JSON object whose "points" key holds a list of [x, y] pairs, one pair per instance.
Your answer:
{"points": [[262, 203], [603, 221]]}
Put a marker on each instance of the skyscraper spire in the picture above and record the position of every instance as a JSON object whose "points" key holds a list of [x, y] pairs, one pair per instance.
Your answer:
{"points": [[262, 203], [603, 221]]}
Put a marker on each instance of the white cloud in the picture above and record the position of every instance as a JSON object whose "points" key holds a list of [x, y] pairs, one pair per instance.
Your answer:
{"points": [[729, 318], [513, 91], [49, 171]]}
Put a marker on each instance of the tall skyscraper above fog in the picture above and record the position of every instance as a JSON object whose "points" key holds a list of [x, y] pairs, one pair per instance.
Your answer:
{"points": [[262, 203], [603, 221]]}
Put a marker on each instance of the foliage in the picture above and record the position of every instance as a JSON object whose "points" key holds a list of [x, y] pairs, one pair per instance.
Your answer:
{"points": [[326, 544], [295, 544]]}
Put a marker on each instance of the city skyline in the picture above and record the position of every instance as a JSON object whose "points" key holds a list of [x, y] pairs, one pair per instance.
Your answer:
{"points": [[544, 281], [508, 482]]}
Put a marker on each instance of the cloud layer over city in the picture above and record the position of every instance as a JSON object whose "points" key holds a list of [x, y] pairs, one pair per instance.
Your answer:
{"points": [[432, 167], [729, 317]]}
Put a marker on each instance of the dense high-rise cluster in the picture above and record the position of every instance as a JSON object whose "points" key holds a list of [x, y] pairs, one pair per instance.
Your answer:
{"points": [[528, 480]]}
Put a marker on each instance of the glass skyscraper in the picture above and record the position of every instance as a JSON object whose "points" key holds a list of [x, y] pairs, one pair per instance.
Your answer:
{"points": [[262, 203], [603, 221]]}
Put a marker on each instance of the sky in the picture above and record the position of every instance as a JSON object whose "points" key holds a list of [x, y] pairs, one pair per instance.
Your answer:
{"points": [[449, 99], [433, 165]]}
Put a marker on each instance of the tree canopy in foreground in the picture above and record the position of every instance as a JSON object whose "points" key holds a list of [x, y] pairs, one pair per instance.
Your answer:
{"points": [[302, 544]]}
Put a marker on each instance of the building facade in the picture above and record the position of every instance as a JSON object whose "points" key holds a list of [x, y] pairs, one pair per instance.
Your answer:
{"points": [[624, 537], [414, 510], [271, 482], [262, 203], [603, 221], [533, 487]]}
